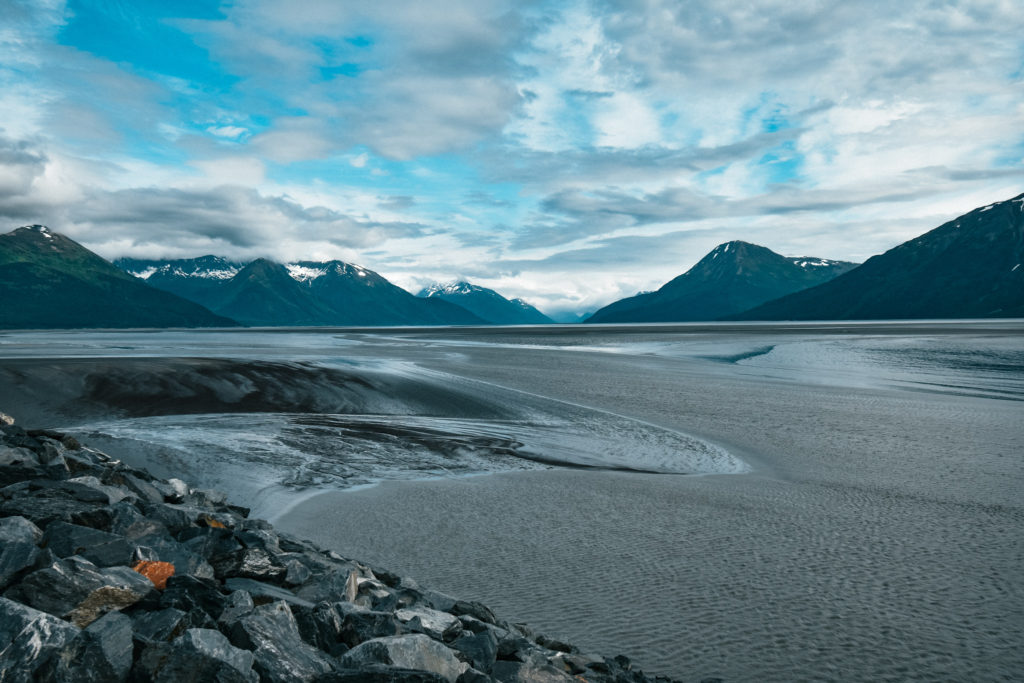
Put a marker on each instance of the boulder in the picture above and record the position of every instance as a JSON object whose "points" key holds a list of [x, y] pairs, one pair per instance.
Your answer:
{"points": [[479, 649], [386, 675], [263, 593], [99, 547], [197, 656], [29, 639], [101, 653], [186, 592], [437, 625], [17, 456], [359, 624], [154, 570], [18, 551], [281, 655], [161, 626], [531, 671], [414, 651], [78, 590]]}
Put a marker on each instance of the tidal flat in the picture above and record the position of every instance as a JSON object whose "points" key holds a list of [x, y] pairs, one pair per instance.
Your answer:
{"points": [[753, 502]]}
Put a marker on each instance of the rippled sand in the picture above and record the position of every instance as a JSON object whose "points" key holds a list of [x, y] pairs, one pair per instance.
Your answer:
{"points": [[881, 536]]}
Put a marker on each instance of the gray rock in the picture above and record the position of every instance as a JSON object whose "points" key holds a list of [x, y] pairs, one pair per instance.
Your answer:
{"points": [[437, 625], [43, 507], [127, 521], [414, 651], [263, 593], [6, 420], [281, 655], [17, 456], [188, 593], [198, 656], [161, 626], [479, 649], [239, 604], [529, 672], [78, 590], [215, 645], [385, 675], [15, 558], [249, 563], [145, 491], [113, 493], [296, 573], [29, 639], [101, 653], [99, 547], [184, 560]]}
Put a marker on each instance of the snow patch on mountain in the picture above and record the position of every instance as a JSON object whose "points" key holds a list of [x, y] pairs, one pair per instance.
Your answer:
{"points": [[304, 273]]}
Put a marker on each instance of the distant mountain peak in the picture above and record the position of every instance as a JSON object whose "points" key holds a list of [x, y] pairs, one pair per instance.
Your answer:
{"points": [[453, 287]]}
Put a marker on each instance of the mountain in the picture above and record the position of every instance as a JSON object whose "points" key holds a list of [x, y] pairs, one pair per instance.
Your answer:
{"points": [[733, 277], [970, 267], [302, 293], [487, 304], [264, 294], [196, 279], [359, 296], [50, 281]]}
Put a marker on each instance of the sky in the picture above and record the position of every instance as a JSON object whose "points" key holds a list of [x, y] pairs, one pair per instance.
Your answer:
{"points": [[569, 153]]}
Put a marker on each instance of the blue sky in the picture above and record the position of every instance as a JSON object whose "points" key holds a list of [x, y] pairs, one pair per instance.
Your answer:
{"points": [[569, 153]]}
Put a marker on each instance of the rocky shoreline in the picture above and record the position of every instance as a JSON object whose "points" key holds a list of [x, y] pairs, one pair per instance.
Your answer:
{"points": [[110, 574]]}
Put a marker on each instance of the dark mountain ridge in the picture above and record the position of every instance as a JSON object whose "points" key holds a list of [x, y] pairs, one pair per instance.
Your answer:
{"points": [[969, 267], [731, 278], [50, 281], [487, 304]]}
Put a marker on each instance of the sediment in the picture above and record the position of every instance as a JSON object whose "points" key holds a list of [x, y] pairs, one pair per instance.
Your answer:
{"points": [[110, 574]]}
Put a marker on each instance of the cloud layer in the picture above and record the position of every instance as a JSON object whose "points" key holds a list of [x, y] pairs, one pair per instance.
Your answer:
{"points": [[566, 153]]}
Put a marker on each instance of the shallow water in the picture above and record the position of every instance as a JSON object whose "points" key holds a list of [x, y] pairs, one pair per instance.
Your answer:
{"points": [[877, 534]]}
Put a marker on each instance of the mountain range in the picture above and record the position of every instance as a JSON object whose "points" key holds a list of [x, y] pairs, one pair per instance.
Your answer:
{"points": [[487, 304], [50, 281], [970, 266], [733, 277], [265, 293]]}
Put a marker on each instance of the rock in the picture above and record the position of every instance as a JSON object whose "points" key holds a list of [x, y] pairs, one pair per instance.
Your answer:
{"points": [[263, 593], [296, 573], [127, 521], [29, 639], [414, 651], [17, 456], [161, 626], [100, 653], [529, 672], [437, 625], [145, 491], [197, 656], [281, 654], [479, 649], [112, 493], [6, 420], [78, 590], [239, 604], [43, 507], [184, 560], [320, 626], [155, 571], [15, 558], [99, 547], [186, 592], [359, 624], [18, 551], [385, 675], [555, 644], [249, 563]]}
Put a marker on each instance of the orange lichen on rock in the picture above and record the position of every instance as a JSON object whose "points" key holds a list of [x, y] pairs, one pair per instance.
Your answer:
{"points": [[157, 572], [211, 522]]}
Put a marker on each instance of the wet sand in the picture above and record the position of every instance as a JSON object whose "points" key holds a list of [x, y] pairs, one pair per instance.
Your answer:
{"points": [[880, 536]]}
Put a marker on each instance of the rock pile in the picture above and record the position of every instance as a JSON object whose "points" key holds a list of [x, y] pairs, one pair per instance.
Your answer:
{"points": [[109, 574]]}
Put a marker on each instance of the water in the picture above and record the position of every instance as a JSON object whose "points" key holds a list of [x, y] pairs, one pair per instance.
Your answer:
{"points": [[857, 513]]}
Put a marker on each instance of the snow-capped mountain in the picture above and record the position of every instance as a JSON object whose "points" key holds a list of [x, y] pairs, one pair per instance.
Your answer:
{"points": [[733, 277], [969, 267], [50, 281], [486, 303], [299, 293]]}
